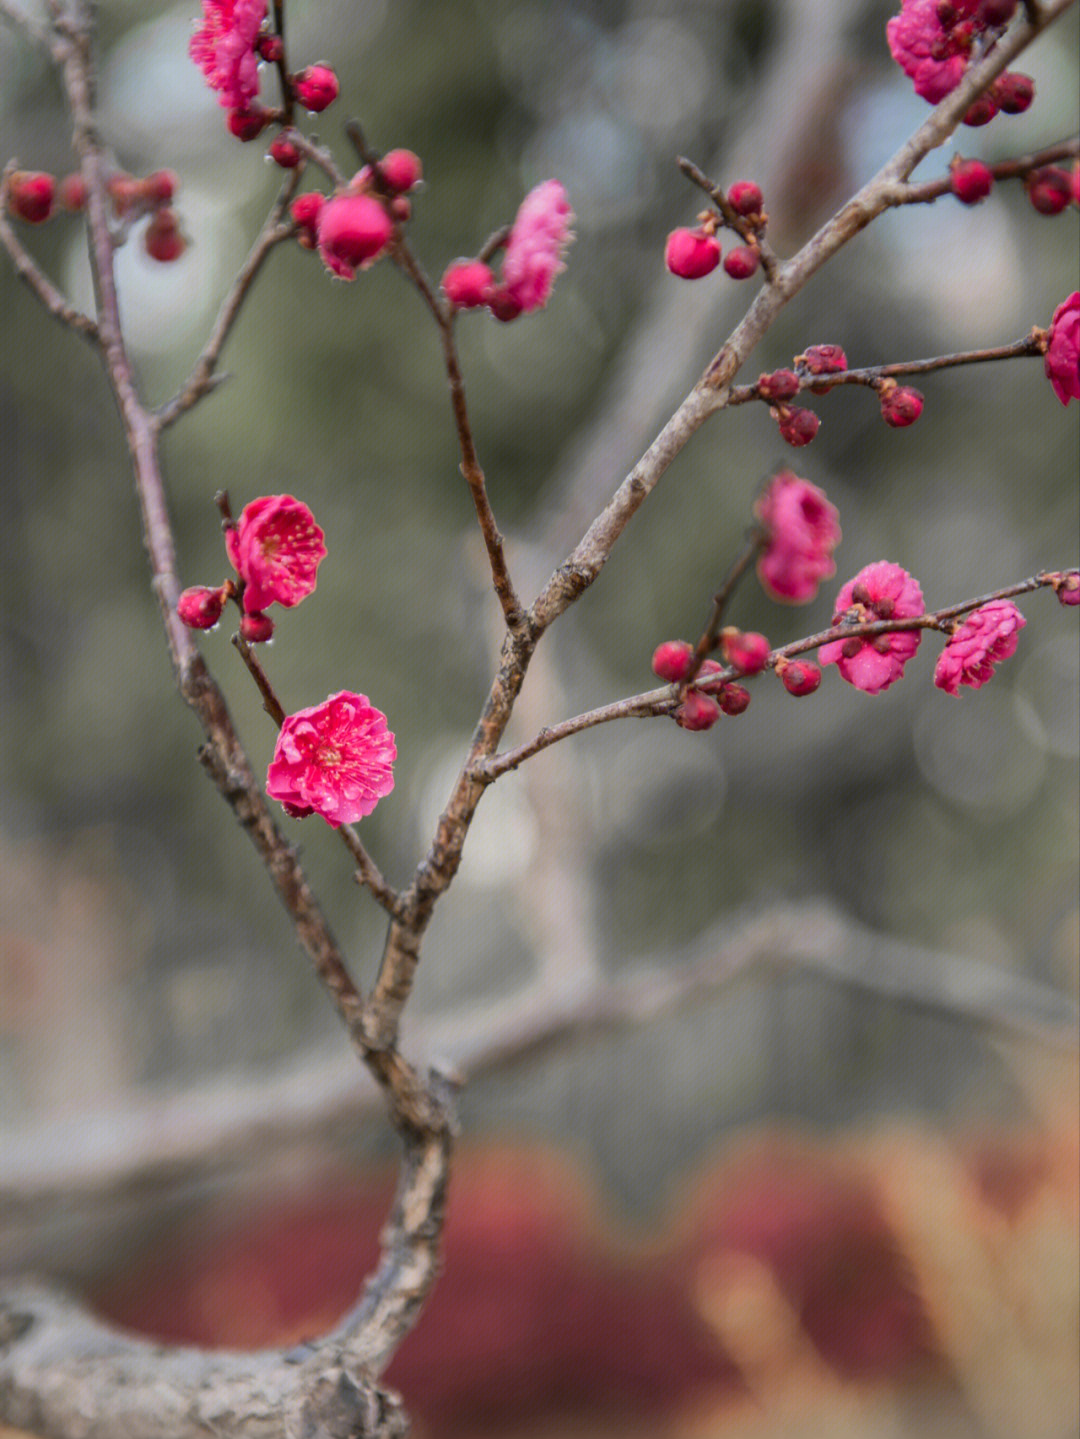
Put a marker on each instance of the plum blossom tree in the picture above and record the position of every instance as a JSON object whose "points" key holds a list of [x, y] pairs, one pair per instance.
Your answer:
{"points": [[62, 1373]]}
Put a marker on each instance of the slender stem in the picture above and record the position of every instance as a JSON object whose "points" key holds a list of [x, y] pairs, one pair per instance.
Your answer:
{"points": [[40, 285], [870, 374], [202, 378], [707, 643], [1017, 168]]}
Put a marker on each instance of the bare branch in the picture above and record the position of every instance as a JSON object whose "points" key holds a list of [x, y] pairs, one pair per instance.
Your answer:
{"points": [[1014, 169]]}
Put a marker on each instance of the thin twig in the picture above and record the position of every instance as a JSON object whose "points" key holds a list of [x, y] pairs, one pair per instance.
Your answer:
{"points": [[658, 702], [38, 282], [202, 378], [871, 374], [1017, 168], [707, 643]]}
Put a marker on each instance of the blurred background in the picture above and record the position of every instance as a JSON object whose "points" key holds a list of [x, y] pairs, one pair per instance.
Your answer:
{"points": [[771, 1030]]}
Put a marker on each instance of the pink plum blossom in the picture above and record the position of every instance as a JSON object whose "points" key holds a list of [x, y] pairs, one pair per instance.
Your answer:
{"points": [[803, 530], [225, 49], [538, 240], [334, 759], [933, 52], [881, 591], [276, 549], [988, 636], [1063, 350]]}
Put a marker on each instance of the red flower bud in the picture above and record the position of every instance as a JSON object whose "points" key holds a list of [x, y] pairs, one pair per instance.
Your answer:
{"points": [[256, 628], [900, 405], [733, 699], [1049, 189], [200, 607], [690, 254], [741, 262], [163, 240], [160, 187], [1067, 587], [800, 677], [745, 198], [316, 87], [247, 124], [72, 192], [284, 153], [970, 180], [697, 711], [1013, 92], [822, 360], [504, 305], [780, 385], [30, 195], [125, 192], [401, 170], [672, 660], [981, 111], [271, 48], [746, 652], [305, 210], [798, 427], [468, 284]]}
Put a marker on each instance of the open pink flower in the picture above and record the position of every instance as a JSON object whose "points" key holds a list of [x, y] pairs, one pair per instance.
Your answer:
{"points": [[276, 549], [931, 50], [335, 759], [1063, 350], [534, 251], [224, 49], [881, 591], [988, 636], [803, 530]]}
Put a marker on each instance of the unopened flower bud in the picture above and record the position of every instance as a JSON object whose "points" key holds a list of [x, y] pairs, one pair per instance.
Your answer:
{"points": [[1067, 587], [271, 48], [163, 240], [780, 385], [690, 254], [316, 87], [981, 111], [800, 677], [353, 231], [504, 305], [746, 651], [1049, 189], [124, 191], [741, 262], [305, 211], [71, 192], [401, 170], [30, 195], [672, 660], [200, 607], [733, 699], [468, 284], [1013, 92], [900, 405], [697, 711], [970, 180], [256, 628], [160, 187], [797, 426], [247, 124], [822, 360], [745, 198], [284, 153]]}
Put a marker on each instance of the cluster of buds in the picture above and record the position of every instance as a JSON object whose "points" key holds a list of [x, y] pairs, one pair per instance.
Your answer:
{"points": [[744, 653], [355, 227], [1049, 188], [33, 197], [533, 253], [693, 253], [900, 404], [276, 549], [234, 39], [934, 41]]}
